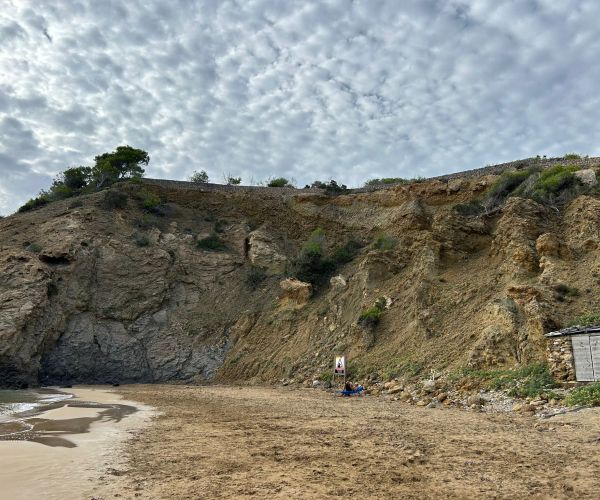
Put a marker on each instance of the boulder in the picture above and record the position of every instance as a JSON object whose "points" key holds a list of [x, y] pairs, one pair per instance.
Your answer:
{"points": [[587, 176], [338, 281], [263, 251], [475, 400], [294, 292], [429, 386]]}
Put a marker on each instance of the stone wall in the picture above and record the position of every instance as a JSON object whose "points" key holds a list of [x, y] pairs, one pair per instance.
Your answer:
{"points": [[559, 352], [288, 191]]}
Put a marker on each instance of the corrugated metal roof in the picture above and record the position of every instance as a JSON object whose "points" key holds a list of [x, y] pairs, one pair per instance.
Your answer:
{"points": [[574, 330]]}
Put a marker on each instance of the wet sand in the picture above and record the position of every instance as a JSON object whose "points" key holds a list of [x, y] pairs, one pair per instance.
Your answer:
{"points": [[65, 452]]}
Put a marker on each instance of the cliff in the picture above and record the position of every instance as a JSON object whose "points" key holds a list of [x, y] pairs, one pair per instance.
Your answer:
{"points": [[90, 293]]}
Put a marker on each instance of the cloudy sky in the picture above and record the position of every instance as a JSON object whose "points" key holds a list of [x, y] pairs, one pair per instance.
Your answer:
{"points": [[344, 89]]}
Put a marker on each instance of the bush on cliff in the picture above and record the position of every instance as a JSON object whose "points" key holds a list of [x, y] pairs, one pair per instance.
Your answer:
{"points": [[311, 265], [199, 177], [114, 199], [211, 243], [331, 188], [256, 275], [150, 201], [314, 264], [384, 242], [33, 203], [279, 182], [345, 253]]}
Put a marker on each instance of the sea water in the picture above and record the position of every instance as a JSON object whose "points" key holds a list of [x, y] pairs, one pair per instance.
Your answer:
{"points": [[18, 403]]}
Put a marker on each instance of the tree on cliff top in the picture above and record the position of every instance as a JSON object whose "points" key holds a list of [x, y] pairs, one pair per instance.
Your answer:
{"points": [[122, 163]]}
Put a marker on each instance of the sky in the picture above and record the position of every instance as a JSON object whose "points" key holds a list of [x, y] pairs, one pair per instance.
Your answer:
{"points": [[342, 89]]}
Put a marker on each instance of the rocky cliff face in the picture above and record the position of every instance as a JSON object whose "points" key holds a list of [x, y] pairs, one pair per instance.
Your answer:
{"points": [[95, 295]]}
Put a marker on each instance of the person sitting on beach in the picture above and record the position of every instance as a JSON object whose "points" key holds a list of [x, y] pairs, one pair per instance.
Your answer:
{"points": [[349, 386]]}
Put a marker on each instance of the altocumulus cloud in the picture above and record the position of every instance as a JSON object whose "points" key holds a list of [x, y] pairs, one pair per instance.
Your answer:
{"points": [[344, 89]]}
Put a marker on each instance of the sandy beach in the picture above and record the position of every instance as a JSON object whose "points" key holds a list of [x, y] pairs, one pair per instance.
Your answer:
{"points": [[261, 442], [71, 447], [190, 442]]}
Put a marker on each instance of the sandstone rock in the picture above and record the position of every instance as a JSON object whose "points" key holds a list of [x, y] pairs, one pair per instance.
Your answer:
{"points": [[395, 389], [295, 292], [405, 396], [475, 400], [338, 281], [455, 185], [422, 402], [548, 245], [263, 251]]}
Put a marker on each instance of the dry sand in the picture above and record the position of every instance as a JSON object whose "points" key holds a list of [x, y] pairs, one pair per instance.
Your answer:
{"points": [[227, 442], [81, 443]]}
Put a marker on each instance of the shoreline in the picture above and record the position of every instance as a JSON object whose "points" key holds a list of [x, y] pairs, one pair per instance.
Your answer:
{"points": [[64, 451]]}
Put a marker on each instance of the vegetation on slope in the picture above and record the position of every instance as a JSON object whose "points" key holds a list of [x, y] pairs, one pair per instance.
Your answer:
{"points": [[124, 163]]}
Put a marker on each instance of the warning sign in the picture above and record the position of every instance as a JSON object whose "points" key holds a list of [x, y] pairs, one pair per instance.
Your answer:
{"points": [[340, 365]]}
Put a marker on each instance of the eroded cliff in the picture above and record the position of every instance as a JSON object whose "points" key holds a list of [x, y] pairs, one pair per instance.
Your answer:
{"points": [[90, 294]]}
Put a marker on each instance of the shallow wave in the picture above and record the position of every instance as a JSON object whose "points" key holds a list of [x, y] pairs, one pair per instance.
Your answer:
{"points": [[13, 404]]}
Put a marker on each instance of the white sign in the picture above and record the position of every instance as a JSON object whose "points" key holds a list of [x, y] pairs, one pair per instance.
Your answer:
{"points": [[340, 365]]}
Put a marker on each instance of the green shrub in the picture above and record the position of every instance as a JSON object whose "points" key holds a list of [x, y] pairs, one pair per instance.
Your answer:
{"points": [[566, 291], [572, 156], [370, 317], [346, 252], [552, 181], [256, 275], [332, 188], [212, 243], [150, 201], [33, 248], [527, 381], [588, 395], [279, 182], [199, 177], [114, 199], [470, 208], [384, 242], [233, 181], [505, 185], [141, 240], [311, 265], [33, 203], [589, 319]]}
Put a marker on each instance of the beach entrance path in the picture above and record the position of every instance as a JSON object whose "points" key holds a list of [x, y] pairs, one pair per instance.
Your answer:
{"points": [[230, 442]]}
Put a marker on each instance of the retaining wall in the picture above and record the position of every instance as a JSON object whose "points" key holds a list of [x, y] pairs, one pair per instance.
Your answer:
{"points": [[286, 191]]}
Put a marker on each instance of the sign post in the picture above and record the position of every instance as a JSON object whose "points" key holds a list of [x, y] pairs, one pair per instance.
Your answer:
{"points": [[339, 368]]}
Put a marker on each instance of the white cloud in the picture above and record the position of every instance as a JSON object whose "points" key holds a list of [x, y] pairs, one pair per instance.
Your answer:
{"points": [[347, 89]]}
